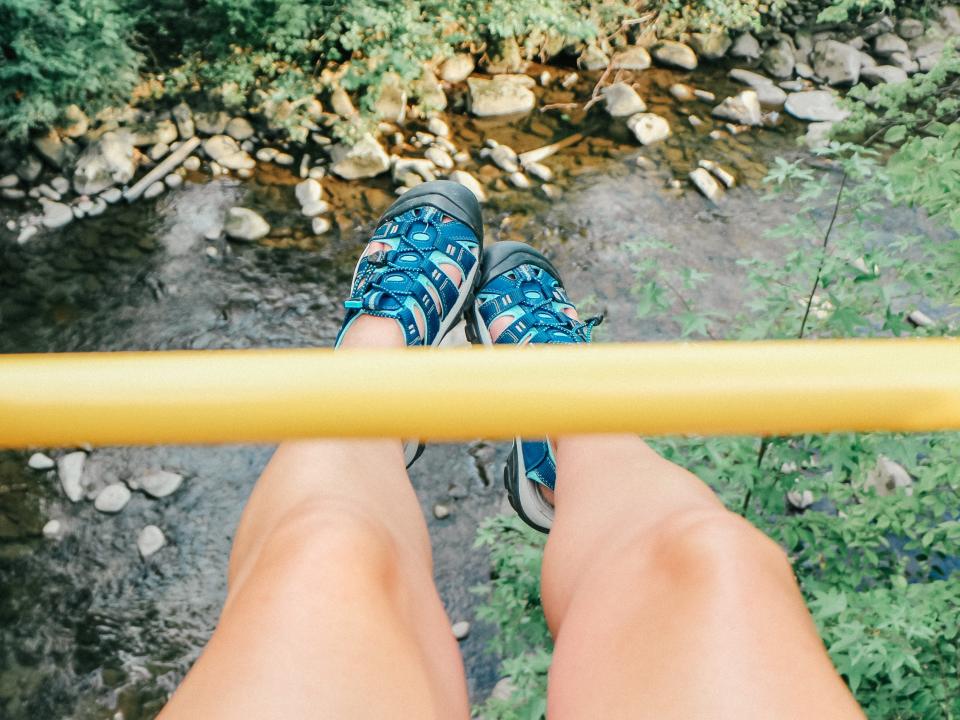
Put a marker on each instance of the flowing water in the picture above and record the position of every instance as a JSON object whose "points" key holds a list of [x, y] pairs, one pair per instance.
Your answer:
{"points": [[87, 628]]}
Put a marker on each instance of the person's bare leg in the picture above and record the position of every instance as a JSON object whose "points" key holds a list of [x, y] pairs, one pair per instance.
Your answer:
{"points": [[331, 610], [665, 605]]}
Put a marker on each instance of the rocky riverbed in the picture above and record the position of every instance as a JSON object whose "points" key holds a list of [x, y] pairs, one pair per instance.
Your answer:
{"points": [[112, 560]]}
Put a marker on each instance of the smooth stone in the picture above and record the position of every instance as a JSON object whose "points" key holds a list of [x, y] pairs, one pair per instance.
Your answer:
{"points": [[457, 68], [551, 192], [460, 629], [920, 319], [245, 224], [704, 95], [150, 540], [675, 54], [365, 159], [107, 161], [439, 157], [887, 44], [949, 17], [9, 181], [183, 117], [905, 62], [681, 92], [309, 191], [421, 167], [441, 511], [910, 28], [55, 214], [867, 61], [154, 190], [767, 92], [391, 102], [469, 182], [790, 86], [27, 234], [593, 58], [501, 95], [712, 45], [519, 180], [70, 470], [158, 151], [883, 25], [283, 159], [505, 158], [52, 529], [315, 208], [112, 195], [317, 172], [743, 109], [320, 225], [98, 208], [266, 154], [159, 484], [815, 106], [162, 131], [239, 129], [539, 171], [213, 123], [800, 500], [48, 192], [836, 62], [883, 74], [805, 71], [707, 185], [621, 100], [649, 128], [928, 54], [779, 59], [746, 46], [719, 173], [438, 127], [173, 181], [61, 185], [635, 58], [113, 498], [429, 91], [39, 461], [225, 151]]}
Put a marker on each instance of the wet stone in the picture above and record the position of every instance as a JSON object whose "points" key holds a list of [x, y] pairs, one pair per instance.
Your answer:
{"points": [[159, 484], [113, 498], [150, 540], [39, 461], [460, 629]]}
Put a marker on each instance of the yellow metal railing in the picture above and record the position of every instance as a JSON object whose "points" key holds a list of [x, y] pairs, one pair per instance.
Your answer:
{"points": [[692, 388]]}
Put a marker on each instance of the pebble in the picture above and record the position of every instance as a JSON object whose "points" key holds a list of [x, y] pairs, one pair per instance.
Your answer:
{"points": [[621, 100], [889, 476], [61, 185], [112, 195], [284, 159], [155, 189], [150, 540], [113, 498], [718, 172], [316, 208], [48, 192], [53, 529], [320, 225], [706, 184], [551, 192], [694, 121], [70, 470], [267, 154], [649, 128], [460, 629], [56, 214], [800, 500], [705, 95], [743, 109], [304, 163], [816, 106], [160, 484], [682, 92], [317, 172], [462, 157], [308, 192], [438, 127], [546, 77], [173, 180], [645, 163], [27, 234], [12, 193], [505, 158], [675, 54], [158, 151], [39, 461], [519, 180], [98, 207], [245, 224], [539, 171], [441, 511], [239, 128], [470, 182], [9, 181], [920, 319], [439, 157], [569, 81]]}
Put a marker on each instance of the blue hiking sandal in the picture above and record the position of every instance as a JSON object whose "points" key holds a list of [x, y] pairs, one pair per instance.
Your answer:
{"points": [[433, 224], [520, 283]]}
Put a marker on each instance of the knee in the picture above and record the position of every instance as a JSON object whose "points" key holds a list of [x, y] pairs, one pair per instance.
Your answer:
{"points": [[714, 545]]}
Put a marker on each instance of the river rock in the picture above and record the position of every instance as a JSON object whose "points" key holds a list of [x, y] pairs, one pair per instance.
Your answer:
{"points": [[161, 131], [743, 109], [9, 181], [800, 500], [675, 54], [887, 477], [60, 184], [460, 629], [469, 182], [421, 167], [366, 158], [505, 158], [441, 511], [649, 128], [113, 498], [457, 68], [836, 62], [12, 194], [767, 92], [112, 195], [173, 181], [158, 151], [47, 192], [320, 225], [239, 128], [887, 44], [712, 45], [682, 92], [308, 191], [315, 208], [815, 106], [918, 318], [154, 189], [51, 148], [428, 88], [149, 540], [519, 180], [55, 214], [633, 58], [391, 102], [719, 173], [29, 168], [224, 150], [245, 224], [52, 529], [439, 157], [949, 17], [70, 470], [779, 59], [905, 62], [909, 28], [621, 100], [107, 161], [39, 461], [438, 127], [159, 484], [501, 95], [883, 74], [183, 117], [211, 123], [76, 122], [539, 171], [592, 58], [746, 46], [707, 185], [878, 27]]}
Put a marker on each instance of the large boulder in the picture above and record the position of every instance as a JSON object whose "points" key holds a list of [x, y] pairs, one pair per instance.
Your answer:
{"points": [[501, 95], [245, 224], [836, 62], [815, 106], [621, 100], [107, 161], [675, 54], [366, 158], [743, 109]]}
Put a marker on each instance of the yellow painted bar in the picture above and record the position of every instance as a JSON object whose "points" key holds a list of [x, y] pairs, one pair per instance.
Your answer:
{"points": [[456, 394]]}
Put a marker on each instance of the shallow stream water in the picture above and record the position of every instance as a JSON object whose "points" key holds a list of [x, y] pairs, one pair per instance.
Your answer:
{"points": [[87, 628]]}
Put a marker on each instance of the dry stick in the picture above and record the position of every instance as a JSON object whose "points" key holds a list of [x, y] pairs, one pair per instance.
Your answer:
{"points": [[538, 154], [765, 442], [170, 163]]}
